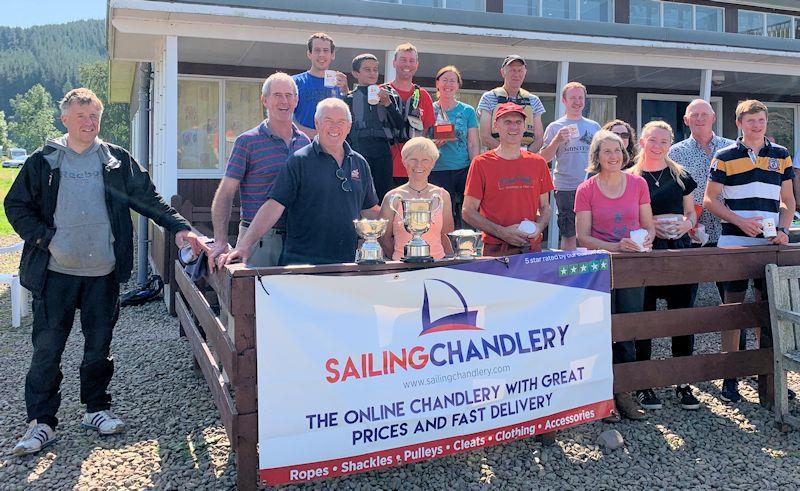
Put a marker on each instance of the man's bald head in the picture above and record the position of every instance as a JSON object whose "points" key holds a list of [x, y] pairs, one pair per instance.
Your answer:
{"points": [[699, 105], [700, 118]]}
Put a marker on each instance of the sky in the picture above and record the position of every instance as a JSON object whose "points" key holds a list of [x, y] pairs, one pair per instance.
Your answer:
{"points": [[26, 13]]}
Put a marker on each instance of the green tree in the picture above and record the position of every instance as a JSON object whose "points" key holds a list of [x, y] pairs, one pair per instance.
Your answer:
{"points": [[115, 126], [4, 143], [33, 120]]}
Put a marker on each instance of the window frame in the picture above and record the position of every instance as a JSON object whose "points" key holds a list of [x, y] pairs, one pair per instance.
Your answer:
{"points": [[661, 3], [219, 171], [793, 19], [540, 5]]}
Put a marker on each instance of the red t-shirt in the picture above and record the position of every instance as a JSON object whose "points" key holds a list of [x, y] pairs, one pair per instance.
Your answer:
{"points": [[428, 120], [509, 190], [613, 219]]}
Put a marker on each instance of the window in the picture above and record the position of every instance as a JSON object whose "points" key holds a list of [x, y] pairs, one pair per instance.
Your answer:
{"points": [[676, 15], [781, 124], [708, 19], [200, 111], [198, 124], [479, 5], [779, 26], [646, 13], [772, 25], [593, 10]]}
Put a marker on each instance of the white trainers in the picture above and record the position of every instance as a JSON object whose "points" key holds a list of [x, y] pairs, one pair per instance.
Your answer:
{"points": [[105, 422], [38, 436]]}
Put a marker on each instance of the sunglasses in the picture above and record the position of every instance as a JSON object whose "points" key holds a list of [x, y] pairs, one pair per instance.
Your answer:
{"points": [[342, 176], [625, 135]]}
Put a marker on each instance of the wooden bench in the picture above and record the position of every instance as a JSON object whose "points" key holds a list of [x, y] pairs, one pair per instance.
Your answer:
{"points": [[783, 286]]}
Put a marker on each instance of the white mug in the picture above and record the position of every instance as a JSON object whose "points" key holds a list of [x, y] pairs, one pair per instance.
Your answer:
{"points": [[373, 92], [330, 78]]}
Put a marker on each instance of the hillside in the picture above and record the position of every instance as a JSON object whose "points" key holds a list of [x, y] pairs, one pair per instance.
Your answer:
{"points": [[49, 55]]}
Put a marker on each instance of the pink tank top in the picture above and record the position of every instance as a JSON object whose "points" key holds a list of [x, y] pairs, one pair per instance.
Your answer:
{"points": [[433, 236]]}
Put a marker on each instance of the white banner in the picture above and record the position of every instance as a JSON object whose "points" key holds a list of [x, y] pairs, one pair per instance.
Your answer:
{"points": [[357, 373]]}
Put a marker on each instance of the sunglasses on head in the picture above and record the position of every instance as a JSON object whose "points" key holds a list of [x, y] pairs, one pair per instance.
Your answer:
{"points": [[342, 176]]}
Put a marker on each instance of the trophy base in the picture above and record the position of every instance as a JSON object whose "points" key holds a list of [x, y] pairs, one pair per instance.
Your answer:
{"points": [[371, 261], [421, 259]]}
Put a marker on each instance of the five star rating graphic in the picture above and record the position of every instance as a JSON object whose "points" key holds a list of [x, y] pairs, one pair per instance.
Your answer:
{"points": [[582, 268]]}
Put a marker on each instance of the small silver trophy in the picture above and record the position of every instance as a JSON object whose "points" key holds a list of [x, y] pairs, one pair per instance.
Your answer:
{"points": [[467, 244], [370, 251], [417, 219]]}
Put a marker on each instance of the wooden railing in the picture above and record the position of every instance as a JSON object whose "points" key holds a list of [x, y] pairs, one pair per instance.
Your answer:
{"points": [[223, 341]]}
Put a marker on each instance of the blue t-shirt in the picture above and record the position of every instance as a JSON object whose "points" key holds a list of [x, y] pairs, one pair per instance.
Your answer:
{"points": [[310, 90], [319, 213], [454, 155]]}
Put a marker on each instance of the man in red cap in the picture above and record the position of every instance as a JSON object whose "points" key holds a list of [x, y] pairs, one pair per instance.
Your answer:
{"points": [[507, 190]]}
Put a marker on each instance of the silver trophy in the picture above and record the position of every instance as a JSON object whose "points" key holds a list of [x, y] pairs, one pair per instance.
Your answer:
{"points": [[467, 244], [370, 251], [417, 219]]}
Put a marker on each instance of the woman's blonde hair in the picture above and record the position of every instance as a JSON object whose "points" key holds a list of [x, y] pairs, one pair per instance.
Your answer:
{"points": [[676, 169], [420, 144], [594, 149]]}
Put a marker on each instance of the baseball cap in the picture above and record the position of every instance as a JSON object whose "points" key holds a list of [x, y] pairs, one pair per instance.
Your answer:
{"points": [[511, 58], [507, 108]]}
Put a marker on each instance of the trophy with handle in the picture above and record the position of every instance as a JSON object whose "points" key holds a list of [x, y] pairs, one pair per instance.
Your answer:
{"points": [[417, 216], [370, 251], [467, 244]]}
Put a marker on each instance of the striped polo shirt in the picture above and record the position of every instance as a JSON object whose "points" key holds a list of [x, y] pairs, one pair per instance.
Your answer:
{"points": [[751, 185], [257, 157]]}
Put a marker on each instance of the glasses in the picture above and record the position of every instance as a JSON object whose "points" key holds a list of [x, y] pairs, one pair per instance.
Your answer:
{"points": [[342, 176], [625, 135]]}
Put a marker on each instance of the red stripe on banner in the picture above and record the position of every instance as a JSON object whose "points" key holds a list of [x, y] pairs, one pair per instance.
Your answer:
{"points": [[434, 449]]}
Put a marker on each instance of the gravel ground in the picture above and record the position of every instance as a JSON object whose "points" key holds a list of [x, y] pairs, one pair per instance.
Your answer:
{"points": [[176, 440]]}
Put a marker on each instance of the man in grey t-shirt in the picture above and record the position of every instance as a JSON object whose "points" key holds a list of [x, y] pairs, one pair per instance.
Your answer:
{"points": [[567, 140]]}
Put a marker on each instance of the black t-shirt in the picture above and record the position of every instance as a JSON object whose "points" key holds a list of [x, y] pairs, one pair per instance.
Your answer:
{"points": [[667, 196], [319, 213]]}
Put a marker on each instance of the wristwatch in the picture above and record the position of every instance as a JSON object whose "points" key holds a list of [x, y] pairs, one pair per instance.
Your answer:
{"points": [[783, 229]]}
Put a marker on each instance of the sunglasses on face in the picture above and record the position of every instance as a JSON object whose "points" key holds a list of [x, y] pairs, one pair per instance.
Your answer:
{"points": [[342, 176], [625, 135]]}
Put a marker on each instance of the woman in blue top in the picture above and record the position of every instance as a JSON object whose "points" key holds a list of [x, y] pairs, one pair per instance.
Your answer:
{"points": [[456, 135]]}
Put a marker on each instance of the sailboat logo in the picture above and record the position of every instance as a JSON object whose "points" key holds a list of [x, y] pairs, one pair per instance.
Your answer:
{"points": [[459, 321]]}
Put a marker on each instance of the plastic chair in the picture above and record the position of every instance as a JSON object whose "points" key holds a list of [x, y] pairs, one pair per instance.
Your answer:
{"points": [[19, 295]]}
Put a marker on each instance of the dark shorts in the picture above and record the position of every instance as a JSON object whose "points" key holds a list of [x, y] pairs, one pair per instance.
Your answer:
{"points": [[565, 201], [740, 286]]}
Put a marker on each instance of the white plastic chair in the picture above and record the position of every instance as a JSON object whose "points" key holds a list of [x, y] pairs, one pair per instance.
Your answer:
{"points": [[19, 295]]}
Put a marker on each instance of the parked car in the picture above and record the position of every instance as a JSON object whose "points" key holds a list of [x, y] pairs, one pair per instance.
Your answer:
{"points": [[18, 157]]}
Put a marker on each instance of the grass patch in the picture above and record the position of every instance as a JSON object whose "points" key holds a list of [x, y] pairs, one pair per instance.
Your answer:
{"points": [[7, 177]]}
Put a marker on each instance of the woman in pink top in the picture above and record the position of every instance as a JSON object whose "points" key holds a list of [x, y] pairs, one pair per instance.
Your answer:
{"points": [[608, 206], [419, 156]]}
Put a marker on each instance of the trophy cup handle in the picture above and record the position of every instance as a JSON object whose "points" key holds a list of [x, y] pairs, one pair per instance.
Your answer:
{"points": [[392, 201], [439, 205]]}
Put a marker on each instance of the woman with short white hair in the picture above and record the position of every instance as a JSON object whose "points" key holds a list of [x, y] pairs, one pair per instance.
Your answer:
{"points": [[419, 156]]}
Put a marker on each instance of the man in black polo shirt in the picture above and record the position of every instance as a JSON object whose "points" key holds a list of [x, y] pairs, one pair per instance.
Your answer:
{"points": [[323, 188]]}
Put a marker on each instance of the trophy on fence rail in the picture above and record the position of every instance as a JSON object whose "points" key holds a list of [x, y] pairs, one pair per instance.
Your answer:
{"points": [[417, 217], [467, 244], [370, 251]]}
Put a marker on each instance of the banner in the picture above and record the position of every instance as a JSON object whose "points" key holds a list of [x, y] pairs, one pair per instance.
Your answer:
{"points": [[357, 373]]}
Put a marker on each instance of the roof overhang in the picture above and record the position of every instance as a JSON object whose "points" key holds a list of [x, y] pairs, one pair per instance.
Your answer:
{"points": [[136, 27]]}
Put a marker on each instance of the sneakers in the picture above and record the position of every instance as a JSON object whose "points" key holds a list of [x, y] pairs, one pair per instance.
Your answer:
{"points": [[627, 408], [105, 422], [648, 399], [730, 393], [38, 436], [687, 399]]}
